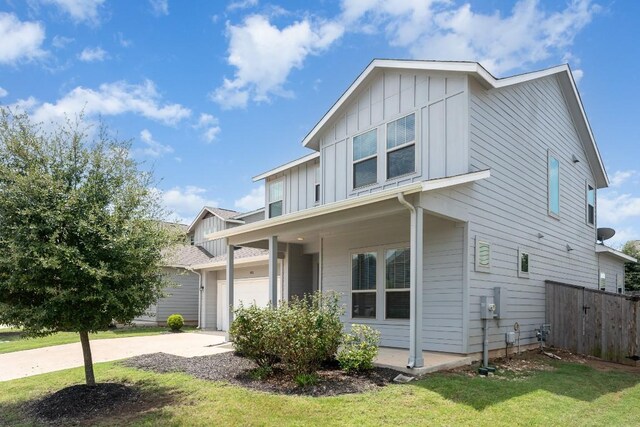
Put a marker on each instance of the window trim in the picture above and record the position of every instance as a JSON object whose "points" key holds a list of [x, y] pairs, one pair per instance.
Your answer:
{"points": [[281, 180], [384, 282], [372, 156], [551, 154], [399, 147], [521, 273], [586, 202], [363, 291]]}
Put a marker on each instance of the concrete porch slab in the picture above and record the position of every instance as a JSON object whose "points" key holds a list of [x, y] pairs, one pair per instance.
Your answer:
{"points": [[396, 358]]}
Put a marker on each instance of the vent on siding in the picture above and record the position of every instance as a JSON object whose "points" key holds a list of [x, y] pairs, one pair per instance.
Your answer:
{"points": [[483, 255]]}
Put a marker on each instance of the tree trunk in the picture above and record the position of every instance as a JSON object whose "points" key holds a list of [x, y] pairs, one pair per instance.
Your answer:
{"points": [[88, 361]]}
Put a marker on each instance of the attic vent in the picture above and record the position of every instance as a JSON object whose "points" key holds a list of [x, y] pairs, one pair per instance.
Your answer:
{"points": [[483, 255]]}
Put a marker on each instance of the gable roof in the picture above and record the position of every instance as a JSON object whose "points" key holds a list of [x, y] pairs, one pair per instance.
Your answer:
{"points": [[223, 214], [488, 81], [185, 255]]}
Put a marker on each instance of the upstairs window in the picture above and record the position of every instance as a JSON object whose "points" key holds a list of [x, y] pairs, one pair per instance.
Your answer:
{"points": [[591, 205], [365, 159], [401, 146], [397, 283], [317, 185], [363, 285], [554, 185], [276, 193]]}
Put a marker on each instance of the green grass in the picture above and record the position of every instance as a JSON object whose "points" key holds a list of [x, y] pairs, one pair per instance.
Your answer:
{"points": [[572, 394], [12, 340]]}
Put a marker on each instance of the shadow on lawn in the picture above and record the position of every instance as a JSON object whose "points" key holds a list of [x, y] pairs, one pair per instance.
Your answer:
{"points": [[567, 379], [10, 335]]}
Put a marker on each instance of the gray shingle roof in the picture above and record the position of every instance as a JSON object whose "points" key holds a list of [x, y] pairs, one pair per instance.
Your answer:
{"points": [[223, 213], [186, 255], [241, 253]]}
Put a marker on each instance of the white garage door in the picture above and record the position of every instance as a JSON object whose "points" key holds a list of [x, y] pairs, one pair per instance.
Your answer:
{"points": [[247, 291]]}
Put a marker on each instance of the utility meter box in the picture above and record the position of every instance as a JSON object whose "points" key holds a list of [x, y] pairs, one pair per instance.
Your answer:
{"points": [[487, 308], [510, 338]]}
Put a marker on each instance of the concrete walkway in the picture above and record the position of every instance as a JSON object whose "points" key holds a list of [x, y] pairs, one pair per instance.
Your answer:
{"points": [[26, 363]]}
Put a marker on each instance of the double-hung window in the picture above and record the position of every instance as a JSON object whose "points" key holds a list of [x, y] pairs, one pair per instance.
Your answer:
{"points": [[365, 159], [554, 184], [363, 285], [397, 283], [401, 146], [276, 194], [591, 205]]}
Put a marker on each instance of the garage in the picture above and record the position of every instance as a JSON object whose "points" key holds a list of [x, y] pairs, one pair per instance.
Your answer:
{"points": [[246, 291]]}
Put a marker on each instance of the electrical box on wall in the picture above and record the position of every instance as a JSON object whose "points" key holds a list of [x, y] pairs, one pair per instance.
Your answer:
{"points": [[487, 308], [500, 300]]}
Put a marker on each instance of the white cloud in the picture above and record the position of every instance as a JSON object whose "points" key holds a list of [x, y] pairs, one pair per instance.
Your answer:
{"points": [[20, 40], [93, 54], [3, 92], [109, 99], [60, 42], [210, 126], [252, 201], [122, 40], [152, 147], [616, 208], [620, 177], [264, 55], [86, 11], [159, 7], [187, 202], [242, 4], [438, 29]]}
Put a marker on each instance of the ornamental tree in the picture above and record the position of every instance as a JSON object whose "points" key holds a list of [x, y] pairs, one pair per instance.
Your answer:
{"points": [[80, 231]]}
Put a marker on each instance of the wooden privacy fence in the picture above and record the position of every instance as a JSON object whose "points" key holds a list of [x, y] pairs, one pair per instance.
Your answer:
{"points": [[593, 322]]}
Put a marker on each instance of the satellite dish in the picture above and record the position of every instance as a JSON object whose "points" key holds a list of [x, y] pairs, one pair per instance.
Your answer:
{"points": [[605, 233]]}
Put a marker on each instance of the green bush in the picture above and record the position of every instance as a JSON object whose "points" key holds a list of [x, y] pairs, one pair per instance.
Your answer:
{"points": [[254, 333], [359, 348], [175, 322], [304, 380], [301, 334], [310, 331]]}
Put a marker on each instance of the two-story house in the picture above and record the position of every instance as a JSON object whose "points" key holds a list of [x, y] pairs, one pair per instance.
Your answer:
{"points": [[432, 191]]}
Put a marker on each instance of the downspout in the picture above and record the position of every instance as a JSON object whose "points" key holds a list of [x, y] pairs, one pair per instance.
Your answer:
{"points": [[199, 294], [411, 363]]}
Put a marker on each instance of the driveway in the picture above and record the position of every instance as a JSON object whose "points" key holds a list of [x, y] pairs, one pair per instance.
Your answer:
{"points": [[26, 363]]}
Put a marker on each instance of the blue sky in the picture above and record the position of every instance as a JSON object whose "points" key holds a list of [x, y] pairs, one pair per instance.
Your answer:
{"points": [[213, 93]]}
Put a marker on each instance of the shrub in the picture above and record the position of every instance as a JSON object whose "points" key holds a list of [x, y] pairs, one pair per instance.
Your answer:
{"points": [[175, 322], [261, 373], [359, 349], [310, 331], [304, 380], [254, 332]]}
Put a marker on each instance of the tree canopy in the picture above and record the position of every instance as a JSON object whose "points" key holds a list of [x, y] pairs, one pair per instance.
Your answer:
{"points": [[81, 236], [632, 269]]}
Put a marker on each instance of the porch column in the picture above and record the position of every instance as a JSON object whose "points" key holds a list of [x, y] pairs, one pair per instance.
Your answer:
{"points": [[416, 288], [273, 271], [230, 279]]}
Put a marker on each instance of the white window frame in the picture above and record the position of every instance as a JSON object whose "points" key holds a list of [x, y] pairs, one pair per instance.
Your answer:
{"points": [[399, 147], [602, 280], [521, 273], [551, 154], [481, 268], [586, 203], [355, 162], [384, 280], [278, 180], [374, 291]]}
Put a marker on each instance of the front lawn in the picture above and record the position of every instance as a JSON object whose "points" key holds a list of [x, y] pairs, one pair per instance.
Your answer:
{"points": [[11, 339], [562, 393]]}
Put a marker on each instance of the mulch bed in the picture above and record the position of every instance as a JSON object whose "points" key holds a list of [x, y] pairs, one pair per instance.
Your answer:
{"points": [[83, 402], [237, 370]]}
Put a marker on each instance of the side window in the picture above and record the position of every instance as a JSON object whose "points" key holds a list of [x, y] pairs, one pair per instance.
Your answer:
{"points": [[316, 187], [602, 283], [365, 159], [276, 194], [591, 205], [483, 255], [554, 185], [397, 265], [401, 146], [523, 263], [363, 285]]}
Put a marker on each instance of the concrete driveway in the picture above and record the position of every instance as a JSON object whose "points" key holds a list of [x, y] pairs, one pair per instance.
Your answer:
{"points": [[26, 363]]}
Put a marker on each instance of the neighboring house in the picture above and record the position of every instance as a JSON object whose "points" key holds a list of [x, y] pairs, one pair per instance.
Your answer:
{"points": [[432, 191]]}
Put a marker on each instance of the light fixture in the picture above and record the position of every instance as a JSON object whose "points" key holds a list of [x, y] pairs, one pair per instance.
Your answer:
{"points": [[569, 248], [300, 239], [540, 235], [574, 159]]}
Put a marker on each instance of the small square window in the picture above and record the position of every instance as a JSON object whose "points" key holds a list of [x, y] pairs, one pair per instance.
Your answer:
{"points": [[483, 256], [523, 263]]}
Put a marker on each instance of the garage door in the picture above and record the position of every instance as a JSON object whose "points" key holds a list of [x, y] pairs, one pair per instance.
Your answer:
{"points": [[246, 291]]}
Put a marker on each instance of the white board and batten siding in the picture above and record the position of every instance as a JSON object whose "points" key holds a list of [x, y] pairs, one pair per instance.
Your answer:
{"points": [[443, 259], [440, 104], [207, 225], [299, 186], [511, 131]]}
